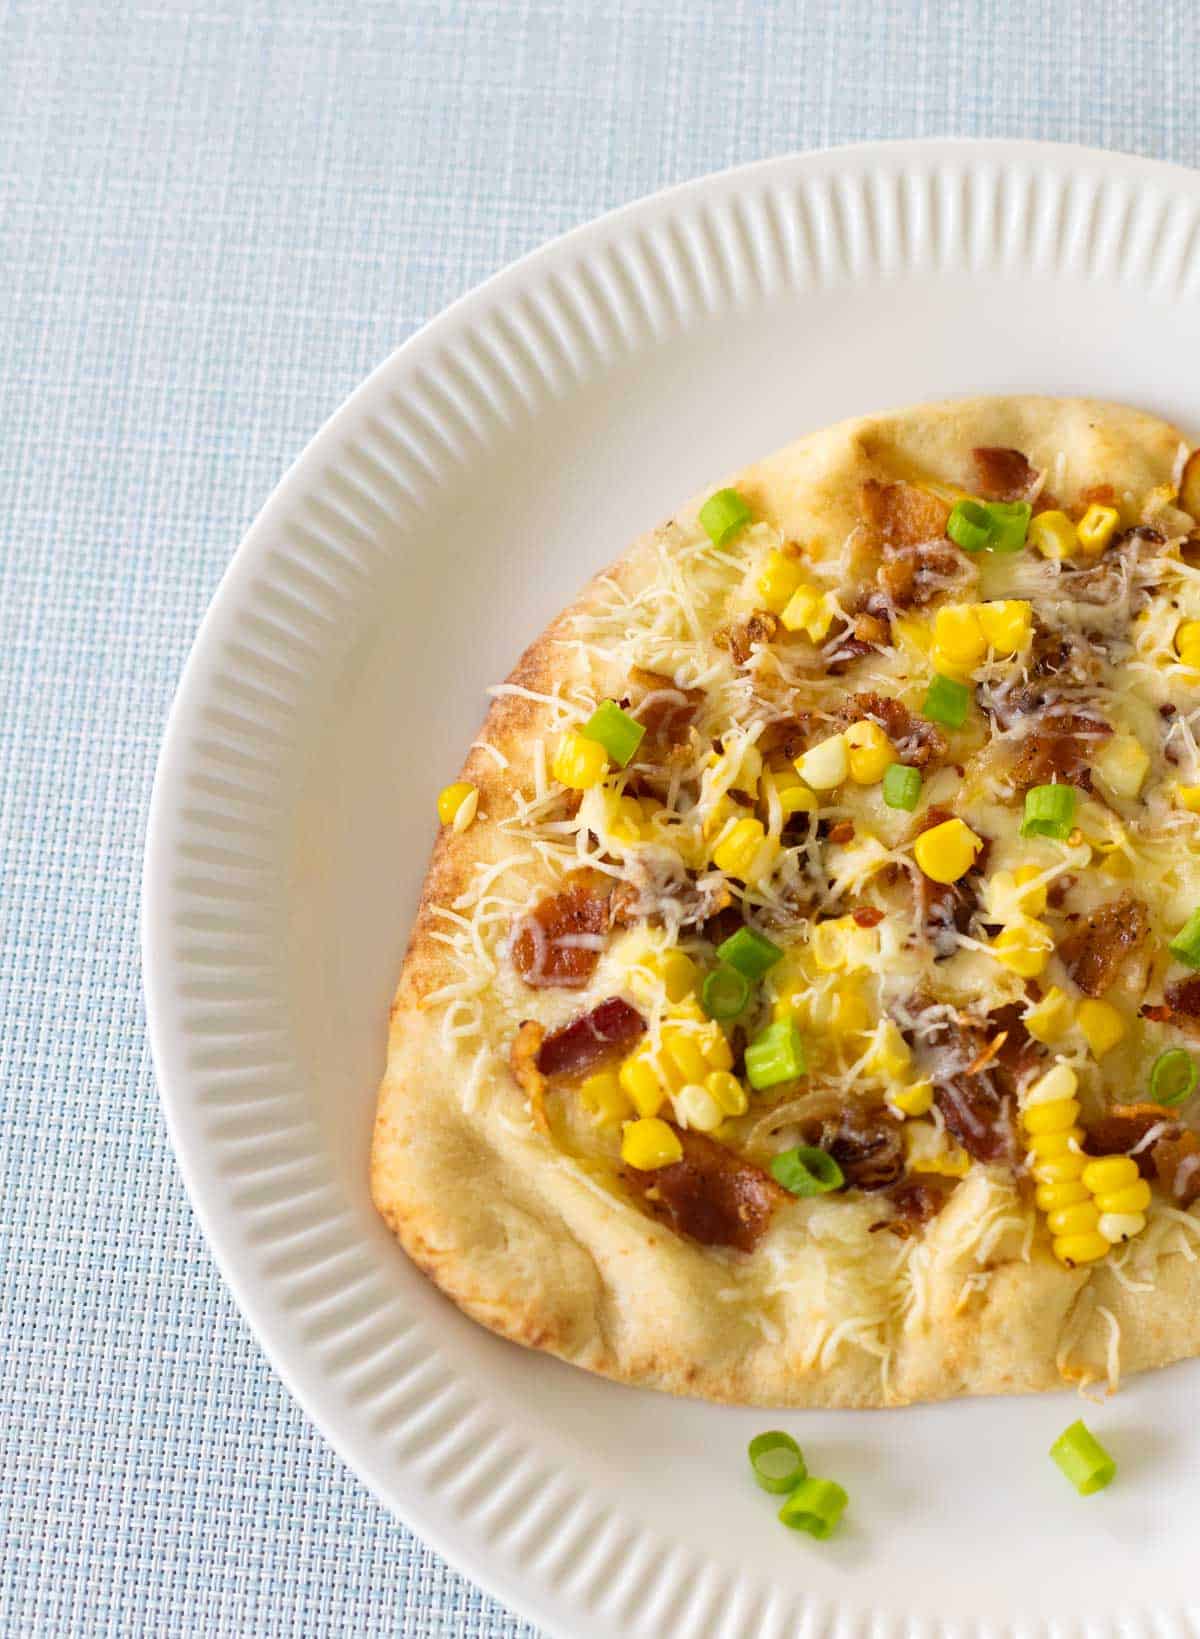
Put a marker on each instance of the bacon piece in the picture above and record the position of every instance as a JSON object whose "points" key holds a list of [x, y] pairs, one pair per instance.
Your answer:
{"points": [[872, 630], [666, 711], [978, 1115], [866, 1144], [1097, 495], [979, 1106], [843, 653], [1124, 1127], [946, 908], [1003, 475], [1177, 1165], [912, 576], [915, 1201], [712, 1195], [522, 1060], [1183, 996], [591, 1038], [760, 626], [916, 741], [1062, 751], [1098, 948], [867, 916], [902, 514], [559, 941]]}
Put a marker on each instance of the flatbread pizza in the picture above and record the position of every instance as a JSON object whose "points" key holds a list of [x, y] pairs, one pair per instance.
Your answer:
{"points": [[803, 1002]]}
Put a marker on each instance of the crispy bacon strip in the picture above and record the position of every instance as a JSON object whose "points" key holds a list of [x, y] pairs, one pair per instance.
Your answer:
{"points": [[760, 626], [1098, 948], [712, 1195], [1003, 475], [590, 1038], [666, 710], [1177, 1164], [522, 1060], [1182, 998], [1061, 751], [559, 941], [1125, 1127], [902, 514], [917, 741], [915, 1201]]}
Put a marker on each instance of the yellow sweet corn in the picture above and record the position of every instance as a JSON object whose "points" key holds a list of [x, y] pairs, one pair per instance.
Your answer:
{"points": [[696, 1107], [673, 969], [727, 1091], [640, 1081], [914, 634], [1024, 947], [1187, 643], [649, 1143], [841, 1011], [1121, 762], [1051, 1018], [579, 763], [889, 1054], [947, 851], [1109, 1173], [839, 945], [1044, 1146], [723, 810], [746, 851], [869, 752], [1080, 1218], [1121, 1226], [1009, 894], [928, 1150], [779, 579], [1130, 1198], [808, 611], [605, 1098], [1188, 796], [913, 1100], [826, 765], [1054, 1116], [959, 643], [1054, 535], [1033, 900], [626, 822], [1102, 1024], [1095, 529], [794, 796], [1061, 1192], [1077, 1249], [457, 804], [1007, 624], [684, 1051]]}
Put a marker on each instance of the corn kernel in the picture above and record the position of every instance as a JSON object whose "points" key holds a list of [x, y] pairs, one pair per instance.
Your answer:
{"points": [[744, 851], [579, 763], [717, 1052], [1056, 1116], [839, 945], [649, 1144], [1132, 1198], [959, 643], [1109, 1173], [1060, 1169], [678, 973], [1024, 947], [457, 803], [826, 765], [1033, 899], [1007, 624], [625, 821], [1103, 1026], [870, 753], [1122, 763], [779, 579], [727, 1091], [1187, 636], [1121, 1226], [1059, 1082], [1188, 796], [1080, 1218], [1009, 894], [683, 1050], [914, 634], [696, 1107], [1054, 535], [605, 1098], [1064, 1192], [889, 1054], [1051, 1018], [1043, 1145], [640, 1082], [914, 1100], [947, 851], [1095, 529], [1076, 1249], [808, 611]]}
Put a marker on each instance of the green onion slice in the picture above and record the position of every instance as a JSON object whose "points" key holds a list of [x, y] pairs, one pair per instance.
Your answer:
{"points": [[902, 787], [1049, 812], [946, 701], [1185, 947], [967, 526], [807, 1171], [776, 1054], [814, 1506], [751, 953], [1008, 525], [1083, 1459], [1173, 1076], [723, 516], [614, 729], [777, 1461], [724, 993]]}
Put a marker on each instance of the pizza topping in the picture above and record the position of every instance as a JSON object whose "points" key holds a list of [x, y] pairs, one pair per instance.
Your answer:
{"points": [[1176, 1160], [903, 514], [666, 711], [710, 1195], [559, 941], [1096, 951], [1003, 475], [759, 627], [602, 1033], [522, 1059]]}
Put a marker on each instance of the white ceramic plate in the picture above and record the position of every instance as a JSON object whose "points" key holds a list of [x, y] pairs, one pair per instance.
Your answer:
{"points": [[445, 513]]}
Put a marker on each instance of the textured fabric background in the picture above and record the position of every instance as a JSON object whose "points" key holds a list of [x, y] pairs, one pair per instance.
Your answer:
{"points": [[214, 219]]}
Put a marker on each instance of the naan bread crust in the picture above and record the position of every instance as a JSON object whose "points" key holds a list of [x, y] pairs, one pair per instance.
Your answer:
{"points": [[530, 1245]]}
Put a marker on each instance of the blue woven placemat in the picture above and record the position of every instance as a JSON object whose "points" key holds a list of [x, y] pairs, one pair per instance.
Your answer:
{"points": [[214, 219]]}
